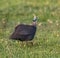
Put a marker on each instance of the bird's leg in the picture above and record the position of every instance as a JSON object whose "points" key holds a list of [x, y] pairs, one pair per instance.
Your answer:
{"points": [[21, 43], [31, 42], [26, 42]]}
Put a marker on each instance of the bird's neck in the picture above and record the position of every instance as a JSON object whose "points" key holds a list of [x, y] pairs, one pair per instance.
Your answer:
{"points": [[34, 23]]}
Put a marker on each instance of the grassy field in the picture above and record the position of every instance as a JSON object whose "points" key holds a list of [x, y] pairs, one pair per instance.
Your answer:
{"points": [[47, 38]]}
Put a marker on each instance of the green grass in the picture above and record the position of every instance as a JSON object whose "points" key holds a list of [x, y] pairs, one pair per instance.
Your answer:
{"points": [[47, 38]]}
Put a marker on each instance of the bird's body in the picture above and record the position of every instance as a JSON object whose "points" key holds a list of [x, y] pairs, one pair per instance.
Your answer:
{"points": [[24, 32]]}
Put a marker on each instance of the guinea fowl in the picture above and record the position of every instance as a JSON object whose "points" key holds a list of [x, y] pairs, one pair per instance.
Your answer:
{"points": [[24, 32]]}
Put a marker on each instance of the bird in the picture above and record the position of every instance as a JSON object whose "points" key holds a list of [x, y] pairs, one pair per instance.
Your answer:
{"points": [[25, 32]]}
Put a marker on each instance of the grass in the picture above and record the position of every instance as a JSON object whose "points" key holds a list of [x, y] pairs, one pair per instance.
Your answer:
{"points": [[47, 38]]}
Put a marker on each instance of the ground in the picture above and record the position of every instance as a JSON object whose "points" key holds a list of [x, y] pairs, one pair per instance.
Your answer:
{"points": [[47, 38]]}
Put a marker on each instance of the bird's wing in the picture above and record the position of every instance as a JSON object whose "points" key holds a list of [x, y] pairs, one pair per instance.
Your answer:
{"points": [[25, 30]]}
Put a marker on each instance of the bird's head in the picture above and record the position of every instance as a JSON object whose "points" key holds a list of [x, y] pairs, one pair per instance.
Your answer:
{"points": [[34, 19]]}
